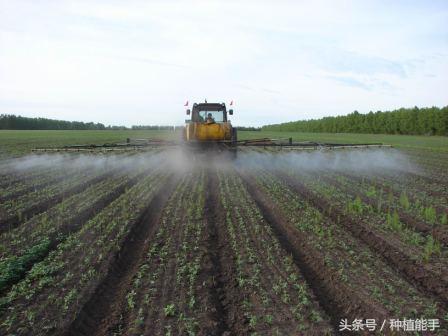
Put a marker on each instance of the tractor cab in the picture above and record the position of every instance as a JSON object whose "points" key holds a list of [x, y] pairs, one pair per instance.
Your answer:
{"points": [[209, 113], [209, 123]]}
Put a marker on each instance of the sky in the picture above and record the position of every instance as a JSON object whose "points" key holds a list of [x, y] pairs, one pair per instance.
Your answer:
{"points": [[138, 62]]}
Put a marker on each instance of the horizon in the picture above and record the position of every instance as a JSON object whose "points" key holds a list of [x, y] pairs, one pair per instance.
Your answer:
{"points": [[236, 125], [137, 63]]}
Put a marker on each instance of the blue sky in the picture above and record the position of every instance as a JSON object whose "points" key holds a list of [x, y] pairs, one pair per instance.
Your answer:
{"points": [[137, 62]]}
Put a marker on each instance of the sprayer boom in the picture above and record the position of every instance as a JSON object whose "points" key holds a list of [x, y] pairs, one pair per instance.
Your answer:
{"points": [[144, 144]]}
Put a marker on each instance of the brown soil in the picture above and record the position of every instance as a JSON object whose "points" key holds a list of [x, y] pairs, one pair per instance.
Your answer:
{"points": [[76, 223], [439, 233], [102, 310], [13, 221], [241, 252], [338, 300], [225, 294], [419, 274]]}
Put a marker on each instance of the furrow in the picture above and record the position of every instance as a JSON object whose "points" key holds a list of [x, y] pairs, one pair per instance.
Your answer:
{"points": [[336, 298], [425, 279], [216, 251], [103, 306]]}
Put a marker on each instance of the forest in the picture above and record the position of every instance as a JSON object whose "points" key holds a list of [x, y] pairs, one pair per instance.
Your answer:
{"points": [[412, 121], [13, 122]]}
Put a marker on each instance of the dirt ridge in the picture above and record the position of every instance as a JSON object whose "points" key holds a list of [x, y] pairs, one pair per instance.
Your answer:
{"points": [[102, 310], [337, 300], [423, 277], [215, 246], [75, 224], [438, 233], [14, 221]]}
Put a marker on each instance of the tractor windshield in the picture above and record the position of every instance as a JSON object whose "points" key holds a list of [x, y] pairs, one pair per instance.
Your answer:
{"points": [[211, 116]]}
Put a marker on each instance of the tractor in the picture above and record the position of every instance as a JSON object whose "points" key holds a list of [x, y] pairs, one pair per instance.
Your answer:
{"points": [[209, 127]]}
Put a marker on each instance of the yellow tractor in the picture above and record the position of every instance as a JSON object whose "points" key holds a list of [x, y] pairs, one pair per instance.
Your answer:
{"points": [[209, 126]]}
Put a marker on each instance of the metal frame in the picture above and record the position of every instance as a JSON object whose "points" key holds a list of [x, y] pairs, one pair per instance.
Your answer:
{"points": [[140, 144]]}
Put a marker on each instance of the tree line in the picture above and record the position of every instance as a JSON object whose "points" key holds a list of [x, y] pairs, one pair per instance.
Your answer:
{"points": [[12, 122], [413, 121]]}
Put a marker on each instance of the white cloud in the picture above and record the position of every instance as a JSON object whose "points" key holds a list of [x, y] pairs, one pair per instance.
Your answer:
{"points": [[138, 61]]}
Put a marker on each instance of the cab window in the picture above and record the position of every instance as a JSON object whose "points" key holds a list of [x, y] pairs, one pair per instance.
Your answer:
{"points": [[217, 116]]}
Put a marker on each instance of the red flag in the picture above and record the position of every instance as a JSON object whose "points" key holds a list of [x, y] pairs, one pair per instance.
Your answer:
{"points": [[231, 103], [186, 103]]}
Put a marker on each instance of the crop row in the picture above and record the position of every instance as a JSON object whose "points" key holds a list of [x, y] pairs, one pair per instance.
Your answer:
{"points": [[424, 248], [408, 260], [408, 196], [168, 292], [21, 247], [31, 184], [377, 287], [16, 211], [55, 289], [420, 193], [274, 294], [399, 211], [12, 179]]}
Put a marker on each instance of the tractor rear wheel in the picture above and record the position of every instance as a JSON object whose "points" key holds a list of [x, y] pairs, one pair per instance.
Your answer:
{"points": [[234, 136], [234, 146]]}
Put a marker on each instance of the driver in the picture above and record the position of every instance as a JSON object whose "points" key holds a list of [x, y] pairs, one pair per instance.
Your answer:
{"points": [[209, 119]]}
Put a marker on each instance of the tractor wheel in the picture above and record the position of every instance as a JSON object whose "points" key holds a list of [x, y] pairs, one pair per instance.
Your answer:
{"points": [[234, 146], [234, 137]]}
